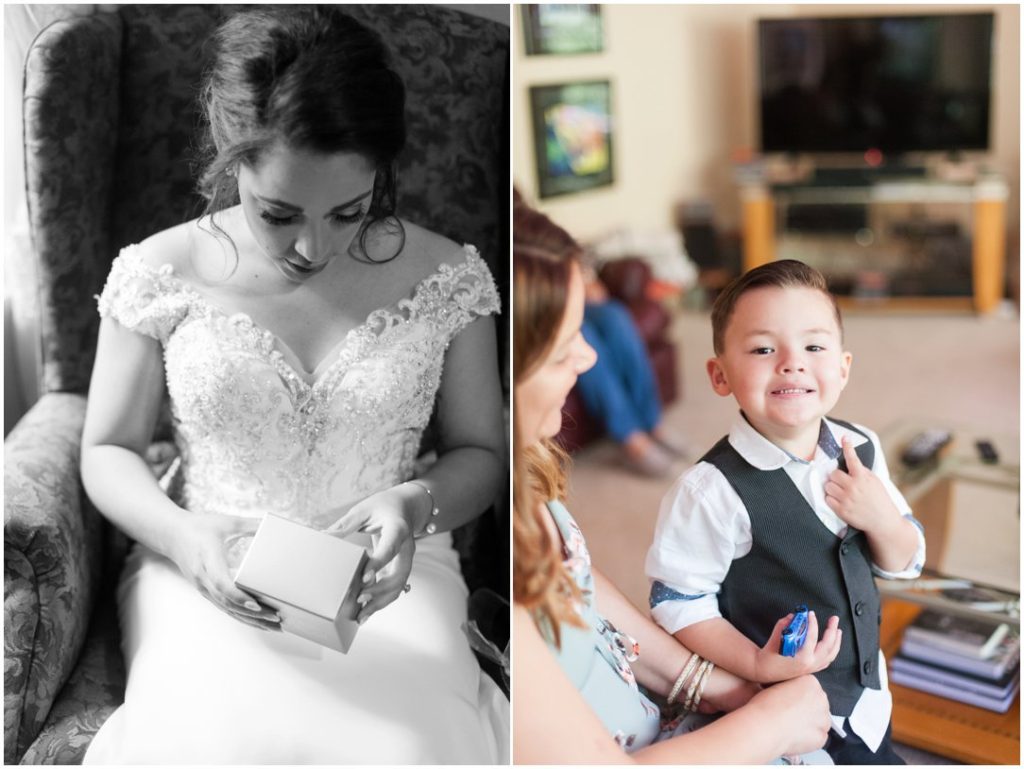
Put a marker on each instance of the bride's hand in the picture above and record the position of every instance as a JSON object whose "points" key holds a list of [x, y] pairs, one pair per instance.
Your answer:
{"points": [[389, 517], [200, 552]]}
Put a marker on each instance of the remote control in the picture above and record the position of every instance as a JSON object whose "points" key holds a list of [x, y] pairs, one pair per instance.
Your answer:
{"points": [[987, 452], [925, 446], [795, 634]]}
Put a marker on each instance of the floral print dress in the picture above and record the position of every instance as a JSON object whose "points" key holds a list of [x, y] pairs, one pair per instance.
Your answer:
{"points": [[596, 657]]}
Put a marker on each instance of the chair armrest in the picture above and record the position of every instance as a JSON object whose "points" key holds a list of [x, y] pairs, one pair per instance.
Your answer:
{"points": [[52, 558]]}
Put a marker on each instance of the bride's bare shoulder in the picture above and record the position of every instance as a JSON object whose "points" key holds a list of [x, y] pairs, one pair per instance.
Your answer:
{"points": [[171, 247], [430, 249], [190, 248]]}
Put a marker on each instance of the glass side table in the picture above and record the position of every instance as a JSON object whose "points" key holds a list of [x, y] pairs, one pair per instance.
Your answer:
{"points": [[971, 513]]}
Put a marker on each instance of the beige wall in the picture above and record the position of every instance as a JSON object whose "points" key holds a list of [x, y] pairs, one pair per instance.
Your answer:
{"points": [[683, 80]]}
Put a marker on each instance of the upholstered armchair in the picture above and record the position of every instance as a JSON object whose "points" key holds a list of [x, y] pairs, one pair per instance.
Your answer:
{"points": [[110, 127]]}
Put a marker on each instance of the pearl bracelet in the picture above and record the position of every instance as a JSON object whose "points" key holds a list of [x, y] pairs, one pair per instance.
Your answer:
{"points": [[431, 526]]}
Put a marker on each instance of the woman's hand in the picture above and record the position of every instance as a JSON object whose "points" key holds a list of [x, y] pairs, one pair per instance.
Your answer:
{"points": [[796, 710], [726, 692], [390, 517], [813, 656], [200, 553]]}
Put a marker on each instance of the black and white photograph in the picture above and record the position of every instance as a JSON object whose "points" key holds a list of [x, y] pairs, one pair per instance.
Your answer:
{"points": [[256, 384], [500, 384]]}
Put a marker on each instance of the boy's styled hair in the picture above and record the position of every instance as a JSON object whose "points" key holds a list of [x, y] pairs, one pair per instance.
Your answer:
{"points": [[785, 273]]}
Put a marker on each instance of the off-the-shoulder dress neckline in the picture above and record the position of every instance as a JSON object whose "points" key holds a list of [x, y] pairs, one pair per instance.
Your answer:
{"points": [[376, 321]]}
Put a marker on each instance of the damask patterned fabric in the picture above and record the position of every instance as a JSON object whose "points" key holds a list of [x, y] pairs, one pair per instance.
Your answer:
{"points": [[91, 695], [51, 563]]}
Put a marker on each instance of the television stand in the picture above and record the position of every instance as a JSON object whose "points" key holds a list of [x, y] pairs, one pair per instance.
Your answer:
{"points": [[884, 259], [866, 177]]}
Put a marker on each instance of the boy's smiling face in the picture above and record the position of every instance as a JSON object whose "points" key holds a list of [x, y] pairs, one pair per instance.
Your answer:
{"points": [[783, 361]]}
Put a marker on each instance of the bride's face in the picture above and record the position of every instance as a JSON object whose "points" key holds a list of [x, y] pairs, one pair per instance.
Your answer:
{"points": [[304, 209], [541, 395]]}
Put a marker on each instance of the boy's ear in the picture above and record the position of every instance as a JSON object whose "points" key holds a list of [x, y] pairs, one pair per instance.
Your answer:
{"points": [[717, 375], [845, 361]]}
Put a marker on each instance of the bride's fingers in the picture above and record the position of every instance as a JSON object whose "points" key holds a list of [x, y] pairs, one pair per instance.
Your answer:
{"points": [[392, 539], [347, 524], [393, 589], [348, 519], [262, 617], [237, 601]]}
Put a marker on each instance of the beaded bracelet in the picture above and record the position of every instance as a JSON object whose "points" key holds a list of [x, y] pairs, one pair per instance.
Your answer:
{"points": [[681, 681], [431, 526]]}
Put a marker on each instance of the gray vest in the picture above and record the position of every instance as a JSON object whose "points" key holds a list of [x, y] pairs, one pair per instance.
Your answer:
{"points": [[795, 559]]}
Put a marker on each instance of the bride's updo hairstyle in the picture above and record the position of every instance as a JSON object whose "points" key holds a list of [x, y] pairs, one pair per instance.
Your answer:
{"points": [[313, 78], [544, 257]]}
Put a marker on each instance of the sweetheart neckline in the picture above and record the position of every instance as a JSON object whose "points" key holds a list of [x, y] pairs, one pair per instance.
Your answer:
{"points": [[313, 379]]}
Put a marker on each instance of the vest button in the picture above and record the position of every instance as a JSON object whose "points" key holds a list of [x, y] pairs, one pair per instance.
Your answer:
{"points": [[844, 549], [868, 667], [858, 608]]}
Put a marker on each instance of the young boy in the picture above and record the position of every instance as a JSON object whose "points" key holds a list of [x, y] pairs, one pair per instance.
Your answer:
{"points": [[790, 508]]}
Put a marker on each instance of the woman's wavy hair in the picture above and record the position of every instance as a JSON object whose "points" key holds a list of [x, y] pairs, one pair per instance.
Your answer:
{"points": [[312, 77], [544, 256]]}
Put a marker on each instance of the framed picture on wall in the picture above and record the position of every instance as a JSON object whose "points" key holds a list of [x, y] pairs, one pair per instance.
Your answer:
{"points": [[572, 136], [562, 28]]}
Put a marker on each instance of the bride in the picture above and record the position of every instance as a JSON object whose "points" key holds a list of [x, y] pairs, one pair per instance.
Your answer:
{"points": [[302, 334]]}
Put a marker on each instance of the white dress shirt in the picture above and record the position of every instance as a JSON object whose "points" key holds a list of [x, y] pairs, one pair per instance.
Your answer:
{"points": [[703, 527]]}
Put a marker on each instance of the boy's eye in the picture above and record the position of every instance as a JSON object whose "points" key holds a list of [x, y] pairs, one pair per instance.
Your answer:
{"points": [[276, 221], [815, 348], [762, 350]]}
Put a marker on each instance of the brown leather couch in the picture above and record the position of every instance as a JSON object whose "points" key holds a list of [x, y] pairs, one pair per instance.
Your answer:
{"points": [[628, 280]]}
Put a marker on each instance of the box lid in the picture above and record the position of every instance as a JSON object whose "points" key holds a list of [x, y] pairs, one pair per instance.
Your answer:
{"points": [[300, 566]]}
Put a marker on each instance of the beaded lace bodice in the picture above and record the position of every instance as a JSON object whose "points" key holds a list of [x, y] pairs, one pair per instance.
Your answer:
{"points": [[253, 435]]}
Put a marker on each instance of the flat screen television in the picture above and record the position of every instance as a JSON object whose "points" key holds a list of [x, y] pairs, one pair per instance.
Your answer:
{"points": [[892, 83]]}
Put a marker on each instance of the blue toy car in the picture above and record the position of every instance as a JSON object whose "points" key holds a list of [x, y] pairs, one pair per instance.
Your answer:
{"points": [[795, 633]]}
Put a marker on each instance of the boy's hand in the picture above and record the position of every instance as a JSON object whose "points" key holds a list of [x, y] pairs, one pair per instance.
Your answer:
{"points": [[726, 692], [813, 656], [858, 495]]}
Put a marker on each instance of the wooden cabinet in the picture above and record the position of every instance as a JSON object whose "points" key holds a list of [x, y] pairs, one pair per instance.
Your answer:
{"points": [[949, 728], [770, 233]]}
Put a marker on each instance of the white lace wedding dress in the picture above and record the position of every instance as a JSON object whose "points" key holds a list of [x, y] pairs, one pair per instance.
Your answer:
{"points": [[255, 436]]}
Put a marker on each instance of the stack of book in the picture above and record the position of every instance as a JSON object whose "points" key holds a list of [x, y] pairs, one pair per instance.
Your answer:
{"points": [[963, 659]]}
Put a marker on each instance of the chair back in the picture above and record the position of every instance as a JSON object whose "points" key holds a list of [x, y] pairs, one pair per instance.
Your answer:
{"points": [[111, 129]]}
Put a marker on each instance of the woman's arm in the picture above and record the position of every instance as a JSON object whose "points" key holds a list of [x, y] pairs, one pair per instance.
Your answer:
{"points": [[462, 482], [554, 725], [124, 401], [471, 450], [662, 657]]}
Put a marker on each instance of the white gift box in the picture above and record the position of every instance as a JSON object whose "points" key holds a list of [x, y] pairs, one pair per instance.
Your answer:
{"points": [[312, 580]]}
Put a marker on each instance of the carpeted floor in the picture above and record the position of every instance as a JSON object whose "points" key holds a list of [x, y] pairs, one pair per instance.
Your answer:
{"points": [[954, 369]]}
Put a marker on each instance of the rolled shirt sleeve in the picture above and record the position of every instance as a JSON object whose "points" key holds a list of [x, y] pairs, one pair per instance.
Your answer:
{"points": [[881, 469], [702, 527]]}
